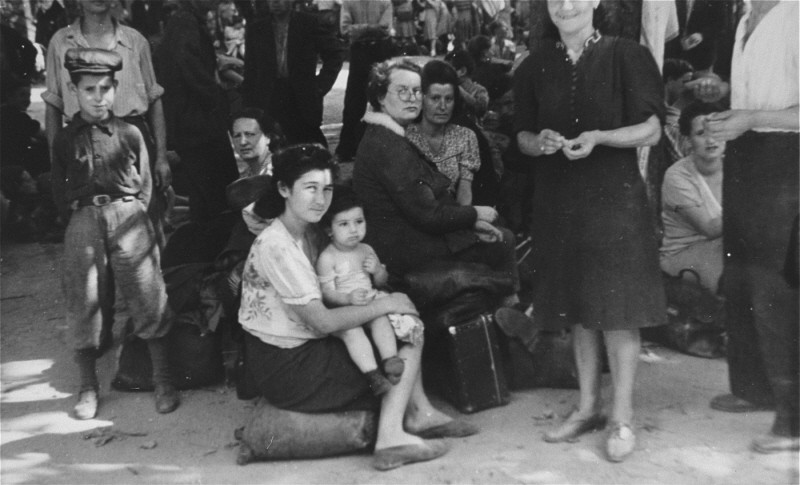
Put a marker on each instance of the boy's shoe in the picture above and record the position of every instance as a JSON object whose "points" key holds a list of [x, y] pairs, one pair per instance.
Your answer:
{"points": [[86, 408], [621, 442], [166, 397], [393, 368], [378, 382]]}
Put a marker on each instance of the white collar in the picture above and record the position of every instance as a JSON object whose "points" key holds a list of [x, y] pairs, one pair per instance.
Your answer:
{"points": [[384, 120]]}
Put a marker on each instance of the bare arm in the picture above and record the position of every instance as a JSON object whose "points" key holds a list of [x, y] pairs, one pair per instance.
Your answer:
{"points": [[646, 133], [329, 320], [53, 123], [373, 266], [696, 216], [162, 175], [731, 124]]}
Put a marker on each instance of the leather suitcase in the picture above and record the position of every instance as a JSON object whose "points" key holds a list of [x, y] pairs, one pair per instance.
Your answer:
{"points": [[469, 372]]}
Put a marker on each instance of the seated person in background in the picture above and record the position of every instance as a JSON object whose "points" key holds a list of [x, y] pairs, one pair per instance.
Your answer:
{"points": [[502, 49], [692, 202], [347, 269], [23, 199], [414, 219], [22, 141], [475, 96], [676, 74], [290, 355], [452, 148], [256, 137]]}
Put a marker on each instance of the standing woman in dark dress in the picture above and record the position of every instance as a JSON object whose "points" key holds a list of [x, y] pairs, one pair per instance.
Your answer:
{"points": [[584, 103]]}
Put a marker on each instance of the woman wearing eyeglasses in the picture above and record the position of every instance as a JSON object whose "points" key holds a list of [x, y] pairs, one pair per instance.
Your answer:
{"points": [[412, 215]]}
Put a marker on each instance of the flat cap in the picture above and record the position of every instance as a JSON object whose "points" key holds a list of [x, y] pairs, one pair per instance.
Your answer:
{"points": [[92, 61]]}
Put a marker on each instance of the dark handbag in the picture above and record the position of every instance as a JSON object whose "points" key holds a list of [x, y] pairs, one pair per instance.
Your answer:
{"points": [[696, 318]]}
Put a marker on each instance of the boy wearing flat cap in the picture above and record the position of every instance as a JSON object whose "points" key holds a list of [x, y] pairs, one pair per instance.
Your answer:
{"points": [[102, 185]]}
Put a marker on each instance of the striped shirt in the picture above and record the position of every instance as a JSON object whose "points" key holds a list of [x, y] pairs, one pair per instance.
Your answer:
{"points": [[137, 87]]}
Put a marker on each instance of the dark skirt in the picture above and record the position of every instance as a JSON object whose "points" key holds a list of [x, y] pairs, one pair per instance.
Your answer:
{"points": [[316, 377], [595, 257]]}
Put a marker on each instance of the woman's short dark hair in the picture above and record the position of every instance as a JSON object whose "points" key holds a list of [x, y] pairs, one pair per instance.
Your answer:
{"points": [[477, 46], [288, 165], [379, 79], [440, 72], [495, 25], [268, 125], [689, 113], [460, 59], [344, 198]]}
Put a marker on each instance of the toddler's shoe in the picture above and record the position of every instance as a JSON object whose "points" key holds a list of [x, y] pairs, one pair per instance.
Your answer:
{"points": [[378, 382], [393, 368], [621, 442], [86, 408]]}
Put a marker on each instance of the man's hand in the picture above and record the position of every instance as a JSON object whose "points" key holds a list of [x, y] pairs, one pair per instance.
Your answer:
{"points": [[728, 125], [709, 88], [162, 175], [691, 41]]}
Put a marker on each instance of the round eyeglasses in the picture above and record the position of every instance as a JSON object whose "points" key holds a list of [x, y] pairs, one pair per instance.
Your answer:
{"points": [[405, 93]]}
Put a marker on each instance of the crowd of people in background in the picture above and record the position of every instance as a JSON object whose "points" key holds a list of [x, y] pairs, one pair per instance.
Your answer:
{"points": [[556, 156]]}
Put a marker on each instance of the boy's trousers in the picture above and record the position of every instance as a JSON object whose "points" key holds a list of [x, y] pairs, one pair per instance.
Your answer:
{"points": [[108, 249]]}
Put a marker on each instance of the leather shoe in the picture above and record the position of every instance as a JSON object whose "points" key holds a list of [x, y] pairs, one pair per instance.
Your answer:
{"points": [[166, 397], [729, 403], [517, 324], [621, 442], [86, 408], [772, 443], [575, 426]]}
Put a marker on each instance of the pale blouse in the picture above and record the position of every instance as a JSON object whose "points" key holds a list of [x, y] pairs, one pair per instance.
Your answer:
{"points": [[458, 157], [764, 70], [684, 187], [278, 274]]}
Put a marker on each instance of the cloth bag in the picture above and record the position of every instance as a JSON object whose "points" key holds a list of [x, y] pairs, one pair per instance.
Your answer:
{"points": [[273, 434]]}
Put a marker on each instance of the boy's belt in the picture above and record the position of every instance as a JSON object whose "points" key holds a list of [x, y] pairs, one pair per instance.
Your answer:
{"points": [[103, 199]]}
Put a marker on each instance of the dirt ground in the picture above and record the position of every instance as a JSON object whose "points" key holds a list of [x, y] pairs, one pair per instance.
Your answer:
{"points": [[681, 440]]}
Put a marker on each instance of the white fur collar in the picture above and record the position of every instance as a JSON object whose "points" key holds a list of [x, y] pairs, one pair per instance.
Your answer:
{"points": [[384, 120]]}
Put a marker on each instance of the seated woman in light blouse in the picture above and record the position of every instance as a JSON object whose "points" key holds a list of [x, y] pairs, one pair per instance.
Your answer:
{"points": [[290, 355], [692, 202], [452, 148]]}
